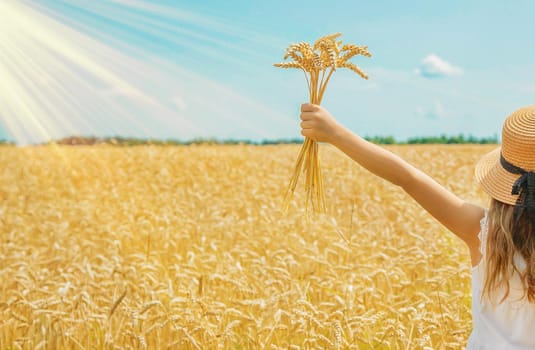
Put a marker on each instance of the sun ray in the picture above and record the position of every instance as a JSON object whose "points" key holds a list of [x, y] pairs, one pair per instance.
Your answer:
{"points": [[61, 77], [183, 30], [27, 39]]}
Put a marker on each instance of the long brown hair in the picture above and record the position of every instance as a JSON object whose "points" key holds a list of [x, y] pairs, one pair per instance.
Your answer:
{"points": [[509, 233]]}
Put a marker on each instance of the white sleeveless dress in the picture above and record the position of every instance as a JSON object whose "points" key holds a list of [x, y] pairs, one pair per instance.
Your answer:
{"points": [[506, 326]]}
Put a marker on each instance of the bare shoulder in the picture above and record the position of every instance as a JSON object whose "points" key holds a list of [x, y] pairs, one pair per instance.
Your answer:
{"points": [[475, 214]]}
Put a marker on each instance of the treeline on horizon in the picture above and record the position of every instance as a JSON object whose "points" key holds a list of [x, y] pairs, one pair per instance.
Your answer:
{"points": [[383, 140]]}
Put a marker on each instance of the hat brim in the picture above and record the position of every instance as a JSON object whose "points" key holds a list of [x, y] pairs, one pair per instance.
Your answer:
{"points": [[494, 179]]}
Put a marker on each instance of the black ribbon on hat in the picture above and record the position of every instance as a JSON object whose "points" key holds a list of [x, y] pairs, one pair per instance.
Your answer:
{"points": [[524, 187]]}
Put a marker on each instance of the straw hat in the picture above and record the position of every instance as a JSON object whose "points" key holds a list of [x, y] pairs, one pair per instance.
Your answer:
{"points": [[498, 176]]}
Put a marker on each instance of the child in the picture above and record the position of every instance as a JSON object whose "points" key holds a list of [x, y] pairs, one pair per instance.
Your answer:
{"points": [[501, 239]]}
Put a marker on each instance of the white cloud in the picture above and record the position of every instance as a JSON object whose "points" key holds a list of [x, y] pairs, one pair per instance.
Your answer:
{"points": [[180, 103], [433, 66], [436, 111]]}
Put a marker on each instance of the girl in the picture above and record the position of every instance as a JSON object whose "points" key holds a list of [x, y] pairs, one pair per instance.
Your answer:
{"points": [[501, 239]]}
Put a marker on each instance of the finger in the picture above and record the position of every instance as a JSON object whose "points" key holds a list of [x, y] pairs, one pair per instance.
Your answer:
{"points": [[307, 133], [306, 116], [306, 124], [308, 107]]}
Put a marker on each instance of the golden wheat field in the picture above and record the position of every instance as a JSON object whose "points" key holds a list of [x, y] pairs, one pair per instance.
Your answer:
{"points": [[186, 247]]}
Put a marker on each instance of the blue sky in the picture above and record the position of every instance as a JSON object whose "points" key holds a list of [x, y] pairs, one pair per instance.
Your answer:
{"points": [[187, 69]]}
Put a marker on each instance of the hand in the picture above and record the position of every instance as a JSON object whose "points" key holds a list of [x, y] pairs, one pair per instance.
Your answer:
{"points": [[318, 124]]}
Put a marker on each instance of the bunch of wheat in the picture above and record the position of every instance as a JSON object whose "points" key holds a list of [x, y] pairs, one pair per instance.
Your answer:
{"points": [[318, 62]]}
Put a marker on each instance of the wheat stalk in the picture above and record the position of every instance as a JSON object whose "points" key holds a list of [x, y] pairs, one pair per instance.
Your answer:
{"points": [[293, 284], [318, 62]]}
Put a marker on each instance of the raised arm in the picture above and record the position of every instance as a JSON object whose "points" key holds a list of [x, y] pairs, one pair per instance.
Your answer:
{"points": [[459, 216]]}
